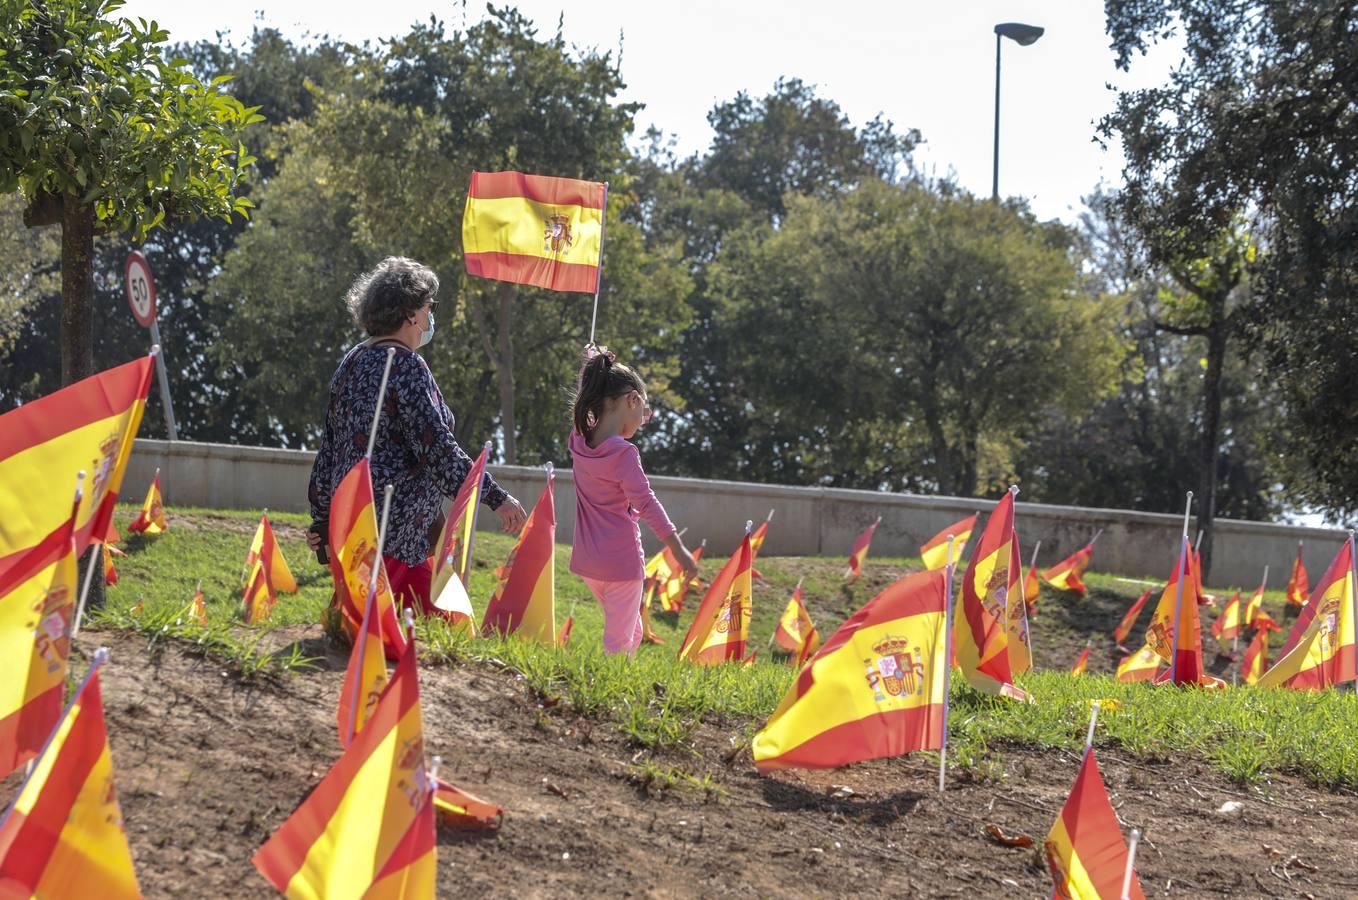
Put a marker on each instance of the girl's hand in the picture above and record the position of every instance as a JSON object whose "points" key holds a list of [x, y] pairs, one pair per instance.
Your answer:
{"points": [[687, 562], [511, 515]]}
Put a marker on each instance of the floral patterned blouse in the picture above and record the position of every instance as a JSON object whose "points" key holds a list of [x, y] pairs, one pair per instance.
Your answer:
{"points": [[415, 450]]}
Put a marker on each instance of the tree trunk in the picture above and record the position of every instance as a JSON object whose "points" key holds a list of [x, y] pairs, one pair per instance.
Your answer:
{"points": [[1211, 425], [939, 444], [504, 367], [969, 464], [77, 291]]}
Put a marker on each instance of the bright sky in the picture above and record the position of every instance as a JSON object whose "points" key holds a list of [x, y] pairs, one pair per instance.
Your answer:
{"points": [[929, 66]]}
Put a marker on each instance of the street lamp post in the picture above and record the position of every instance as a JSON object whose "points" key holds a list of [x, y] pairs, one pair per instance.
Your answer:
{"points": [[1023, 35]]}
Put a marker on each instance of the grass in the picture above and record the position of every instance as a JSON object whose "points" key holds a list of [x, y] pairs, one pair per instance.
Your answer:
{"points": [[660, 703]]}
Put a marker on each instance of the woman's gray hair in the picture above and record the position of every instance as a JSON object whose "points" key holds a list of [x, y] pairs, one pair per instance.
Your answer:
{"points": [[391, 292]]}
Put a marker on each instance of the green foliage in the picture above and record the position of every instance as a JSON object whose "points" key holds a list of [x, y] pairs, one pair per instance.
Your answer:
{"points": [[92, 111]]}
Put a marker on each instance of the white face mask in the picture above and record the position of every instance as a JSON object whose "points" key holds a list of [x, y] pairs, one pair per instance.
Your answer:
{"points": [[427, 336]]}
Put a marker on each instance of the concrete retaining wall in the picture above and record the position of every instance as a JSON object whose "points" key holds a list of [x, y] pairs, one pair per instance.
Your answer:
{"points": [[808, 521]]}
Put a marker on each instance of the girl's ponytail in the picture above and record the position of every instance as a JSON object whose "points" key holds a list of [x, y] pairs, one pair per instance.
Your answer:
{"points": [[601, 377]]}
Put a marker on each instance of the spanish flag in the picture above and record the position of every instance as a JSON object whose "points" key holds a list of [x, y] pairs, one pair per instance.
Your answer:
{"points": [[63, 835], [1085, 850], [265, 547], [1016, 616], [364, 678], [1082, 663], [934, 553], [1143, 665], [1178, 641], [1032, 590], [88, 426], [722, 623], [673, 591], [1324, 654], [1297, 587], [456, 808], [979, 635], [1065, 575], [35, 624], [151, 519], [658, 571], [110, 573], [1253, 607], [353, 553], [525, 601], [1256, 658], [795, 633], [1228, 624], [534, 229], [563, 636], [1125, 626], [757, 539], [859, 552], [875, 689], [258, 603], [453, 555], [367, 830], [197, 607]]}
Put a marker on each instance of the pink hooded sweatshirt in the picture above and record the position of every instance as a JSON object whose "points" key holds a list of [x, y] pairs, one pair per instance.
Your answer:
{"points": [[612, 492]]}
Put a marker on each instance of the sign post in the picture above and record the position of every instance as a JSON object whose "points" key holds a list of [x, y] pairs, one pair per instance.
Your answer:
{"points": [[141, 296]]}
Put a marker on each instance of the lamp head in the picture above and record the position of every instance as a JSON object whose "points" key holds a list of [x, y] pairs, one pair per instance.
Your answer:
{"points": [[1021, 34]]}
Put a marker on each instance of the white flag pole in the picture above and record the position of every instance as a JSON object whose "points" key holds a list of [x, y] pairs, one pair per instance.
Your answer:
{"points": [[381, 395], [599, 276], [465, 572], [947, 664], [1131, 864], [1093, 720]]}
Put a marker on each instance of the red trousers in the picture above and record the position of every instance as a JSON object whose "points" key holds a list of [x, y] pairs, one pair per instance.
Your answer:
{"points": [[410, 585]]}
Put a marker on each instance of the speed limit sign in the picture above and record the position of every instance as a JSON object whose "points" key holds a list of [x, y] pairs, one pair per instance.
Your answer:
{"points": [[141, 289]]}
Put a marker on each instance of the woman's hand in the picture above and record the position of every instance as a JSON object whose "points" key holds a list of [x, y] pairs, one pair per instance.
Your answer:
{"points": [[511, 515], [687, 562]]}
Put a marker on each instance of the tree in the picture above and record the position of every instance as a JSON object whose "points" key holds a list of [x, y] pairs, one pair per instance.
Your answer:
{"points": [[897, 336], [1260, 119], [102, 133]]}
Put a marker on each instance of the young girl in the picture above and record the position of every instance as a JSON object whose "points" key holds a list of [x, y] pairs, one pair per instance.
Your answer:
{"points": [[611, 494]]}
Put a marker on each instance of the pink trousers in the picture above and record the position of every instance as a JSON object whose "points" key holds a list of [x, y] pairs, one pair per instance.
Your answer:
{"points": [[621, 601]]}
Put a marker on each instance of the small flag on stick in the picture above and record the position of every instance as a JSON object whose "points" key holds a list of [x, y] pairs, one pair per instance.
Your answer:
{"points": [[859, 552], [1143, 665], [151, 520], [1298, 587], [934, 552], [524, 603], [264, 546]]}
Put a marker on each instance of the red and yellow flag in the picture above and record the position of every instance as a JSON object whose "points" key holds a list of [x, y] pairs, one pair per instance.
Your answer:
{"points": [[722, 623], [1032, 590], [367, 830], [453, 555], [1016, 615], [534, 229], [1125, 626], [934, 552], [658, 571], [563, 637], [1143, 665], [1085, 851], [365, 677], [63, 835], [1066, 574], [1254, 606], [88, 426], [35, 624], [757, 538], [1324, 654], [1229, 621], [151, 519], [525, 601], [1298, 588], [110, 573], [795, 633], [258, 603], [1264, 622], [673, 591], [198, 608], [353, 553], [458, 809], [859, 552], [265, 547], [1179, 641], [875, 689], [1256, 658], [1082, 663], [980, 639]]}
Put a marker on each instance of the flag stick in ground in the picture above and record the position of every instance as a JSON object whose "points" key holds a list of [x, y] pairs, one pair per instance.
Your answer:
{"points": [[1093, 720], [245, 566], [381, 393], [599, 276], [1179, 591], [1126, 893], [95, 557], [471, 535], [947, 667]]}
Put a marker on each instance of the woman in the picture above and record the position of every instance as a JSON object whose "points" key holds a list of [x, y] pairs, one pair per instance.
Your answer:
{"points": [[415, 451]]}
